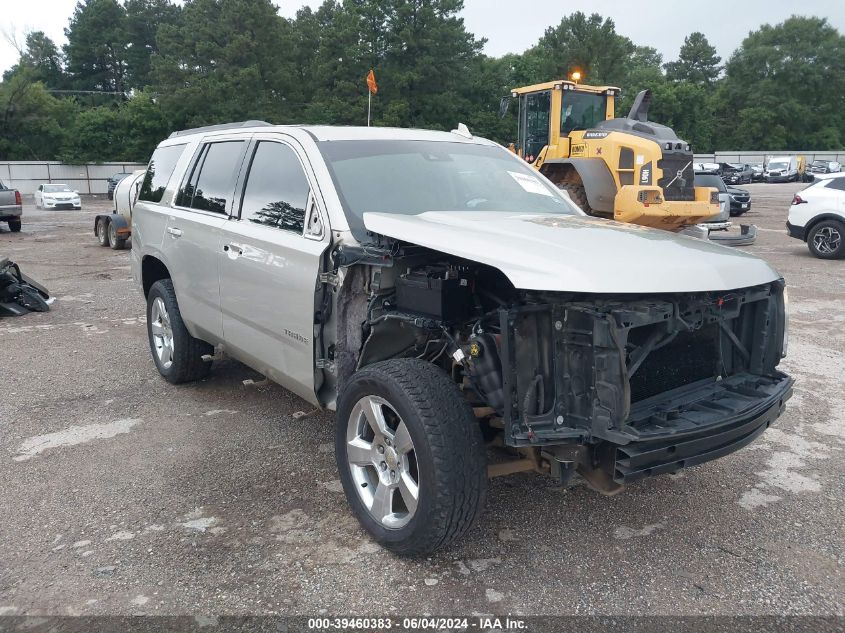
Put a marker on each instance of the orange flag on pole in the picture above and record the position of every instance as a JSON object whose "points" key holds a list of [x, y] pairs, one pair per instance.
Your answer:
{"points": [[371, 82]]}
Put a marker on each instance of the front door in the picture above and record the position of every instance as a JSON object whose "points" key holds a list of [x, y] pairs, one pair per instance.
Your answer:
{"points": [[534, 114], [270, 266]]}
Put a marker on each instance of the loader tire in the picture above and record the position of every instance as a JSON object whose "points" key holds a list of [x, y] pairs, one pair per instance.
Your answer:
{"points": [[578, 195]]}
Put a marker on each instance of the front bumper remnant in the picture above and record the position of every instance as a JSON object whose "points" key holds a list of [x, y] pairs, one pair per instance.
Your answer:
{"points": [[747, 235], [634, 387]]}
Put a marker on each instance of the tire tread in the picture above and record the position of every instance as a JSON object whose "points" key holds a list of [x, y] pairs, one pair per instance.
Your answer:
{"points": [[457, 449], [187, 365]]}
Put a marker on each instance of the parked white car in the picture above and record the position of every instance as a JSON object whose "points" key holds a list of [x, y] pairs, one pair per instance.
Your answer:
{"points": [[57, 196], [817, 216]]}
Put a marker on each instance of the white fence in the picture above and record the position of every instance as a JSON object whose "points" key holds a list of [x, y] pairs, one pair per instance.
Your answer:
{"points": [[25, 176], [762, 157]]}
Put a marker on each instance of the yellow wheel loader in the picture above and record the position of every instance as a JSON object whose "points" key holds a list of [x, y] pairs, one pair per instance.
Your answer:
{"points": [[630, 170]]}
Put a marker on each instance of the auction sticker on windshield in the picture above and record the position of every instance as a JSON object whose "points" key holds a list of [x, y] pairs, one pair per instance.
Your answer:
{"points": [[530, 184]]}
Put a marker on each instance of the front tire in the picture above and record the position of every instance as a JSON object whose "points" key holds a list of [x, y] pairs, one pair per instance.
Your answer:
{"points": [[117, 243], [578, 195], [177, 355], [15, 226], [410, 455], [102, 232], [827, 240]]}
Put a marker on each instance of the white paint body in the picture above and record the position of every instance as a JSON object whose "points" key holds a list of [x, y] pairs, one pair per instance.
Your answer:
{"points": [[47, 199], [820, 198]]}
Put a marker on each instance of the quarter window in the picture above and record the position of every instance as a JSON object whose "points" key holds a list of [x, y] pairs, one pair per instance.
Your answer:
{"points": [[159, 171], [212, 181], [276, 192], [837, 183]]}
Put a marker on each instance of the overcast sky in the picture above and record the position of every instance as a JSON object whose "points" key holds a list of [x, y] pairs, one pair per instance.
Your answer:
{"points": [[514, 25]]}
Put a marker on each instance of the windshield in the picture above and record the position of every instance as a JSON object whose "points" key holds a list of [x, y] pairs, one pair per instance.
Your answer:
{"points": [[412, 177], [710, 181], [582, 110], [777, 165], [56, 188], [820, 163]]}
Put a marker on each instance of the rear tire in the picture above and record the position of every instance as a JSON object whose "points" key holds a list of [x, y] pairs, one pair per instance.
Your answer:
{"points": [[410, 455], [15, 226], [826, 240], [177, 355], [102, 232], [117, 243], [578, 195]]}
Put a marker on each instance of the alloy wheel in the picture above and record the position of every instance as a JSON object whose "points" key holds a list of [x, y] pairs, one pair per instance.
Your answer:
{"points": [[827, 240], [162, 333], [383, 463]]}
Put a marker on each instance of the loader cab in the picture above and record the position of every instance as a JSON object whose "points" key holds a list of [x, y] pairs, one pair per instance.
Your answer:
{"points": [[548, 113]]}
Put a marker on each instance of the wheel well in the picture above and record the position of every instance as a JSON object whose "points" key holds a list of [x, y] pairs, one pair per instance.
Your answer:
{"points": [[808, 228], [152, 270], [560, 173]]}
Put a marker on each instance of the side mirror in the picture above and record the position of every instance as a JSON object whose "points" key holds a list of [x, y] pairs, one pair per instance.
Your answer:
{"points": [[504, 104]]}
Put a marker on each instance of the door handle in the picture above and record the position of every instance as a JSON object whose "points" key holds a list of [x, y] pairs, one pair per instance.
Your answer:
{"points": [[235, 249], [174, 232]]}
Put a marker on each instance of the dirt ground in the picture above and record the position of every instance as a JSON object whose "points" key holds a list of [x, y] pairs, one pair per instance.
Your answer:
{"points": [[123, 494]]}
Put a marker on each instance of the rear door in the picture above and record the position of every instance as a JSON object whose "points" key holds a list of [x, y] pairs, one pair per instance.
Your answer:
{"points": [[271, 260], [192, 240], [834, 196]]}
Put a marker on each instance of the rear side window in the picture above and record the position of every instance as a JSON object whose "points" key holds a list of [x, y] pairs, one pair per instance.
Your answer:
{"points": [[159, 171], [211, 184], [276, 191], [837, 183]]}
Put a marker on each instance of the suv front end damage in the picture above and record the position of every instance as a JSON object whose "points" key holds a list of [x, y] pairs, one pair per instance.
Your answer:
{"points": [[649, 385]]}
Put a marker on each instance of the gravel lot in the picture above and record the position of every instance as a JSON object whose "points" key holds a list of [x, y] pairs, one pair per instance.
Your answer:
{"points": [[123, 494]]}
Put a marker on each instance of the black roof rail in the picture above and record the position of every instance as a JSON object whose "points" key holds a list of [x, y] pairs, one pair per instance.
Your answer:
{"points": [[222, 126]]}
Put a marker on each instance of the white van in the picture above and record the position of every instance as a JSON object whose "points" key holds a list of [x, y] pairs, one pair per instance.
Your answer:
{"points": [[781, 169]]}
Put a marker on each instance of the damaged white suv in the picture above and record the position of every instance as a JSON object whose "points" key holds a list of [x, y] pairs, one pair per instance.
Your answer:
{"points": [[442, 296]]}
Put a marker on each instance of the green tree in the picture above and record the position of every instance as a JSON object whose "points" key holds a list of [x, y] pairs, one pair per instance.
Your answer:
{"points": [[33, 123], [697, 63], [589, 44], [783, 89], [225, 60], [43, 59], [97, 45], [143, 19]]}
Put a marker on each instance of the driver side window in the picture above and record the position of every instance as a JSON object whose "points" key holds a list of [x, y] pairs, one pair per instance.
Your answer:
{"points": [[276, 192]]}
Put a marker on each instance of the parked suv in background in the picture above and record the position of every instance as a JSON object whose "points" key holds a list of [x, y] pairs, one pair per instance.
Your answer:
{"points": [[817, 216], [440, 294], [736, 173], [824, 167], [113, 182], [740, 200]]}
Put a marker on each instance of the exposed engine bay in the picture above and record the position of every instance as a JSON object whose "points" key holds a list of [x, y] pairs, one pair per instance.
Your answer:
{"points": [[19, 294], [617, 387]]}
